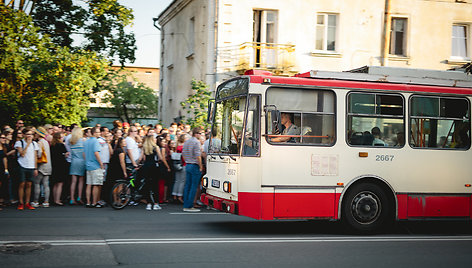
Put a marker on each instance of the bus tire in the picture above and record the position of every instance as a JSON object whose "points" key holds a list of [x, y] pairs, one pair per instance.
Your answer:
{"points": [[366, 208]]}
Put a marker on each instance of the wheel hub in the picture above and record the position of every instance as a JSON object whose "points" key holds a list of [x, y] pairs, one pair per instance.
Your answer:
{"points": [[366, 207]]}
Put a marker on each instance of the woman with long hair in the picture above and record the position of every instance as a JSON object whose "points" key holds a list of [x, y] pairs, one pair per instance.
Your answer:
{"points": [[117, 167], [3, 168], [164, 164], [117, 134], [59, 166], [151, 152], [77, 165], [13, 166], [179, 167]]}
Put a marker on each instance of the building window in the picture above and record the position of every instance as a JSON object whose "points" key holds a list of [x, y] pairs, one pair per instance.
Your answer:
{"points": [[398, 37], [265, 38], [459, 41], [326, 32], [191, 38]]}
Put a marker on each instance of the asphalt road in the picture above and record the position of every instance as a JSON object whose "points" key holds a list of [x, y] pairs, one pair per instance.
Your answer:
{"points": [[134, 237]]}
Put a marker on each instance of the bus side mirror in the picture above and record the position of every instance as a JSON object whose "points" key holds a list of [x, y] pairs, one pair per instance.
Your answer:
{"points": [[276, 122], [211, 108], [273, 125]]}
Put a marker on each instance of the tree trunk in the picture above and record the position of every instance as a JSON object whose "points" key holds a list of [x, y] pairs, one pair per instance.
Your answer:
{"points": [[125, 112]]}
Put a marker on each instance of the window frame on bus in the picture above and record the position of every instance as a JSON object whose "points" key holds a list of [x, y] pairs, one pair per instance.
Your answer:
{"points": [[303, 87], [438, 96], [375, 93], [259, 105]]}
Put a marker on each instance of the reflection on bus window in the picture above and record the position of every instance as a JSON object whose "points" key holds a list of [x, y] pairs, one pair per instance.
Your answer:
{"points": [[307, 116], [439, 122], [229, 120], [375, 120], [251, 135]]}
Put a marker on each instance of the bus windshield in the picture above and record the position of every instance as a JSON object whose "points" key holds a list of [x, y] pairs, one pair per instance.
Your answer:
{"points": [[228, 125]]}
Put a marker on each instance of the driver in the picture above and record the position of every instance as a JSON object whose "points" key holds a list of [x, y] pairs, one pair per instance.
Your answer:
{"points": [[290, 129]]}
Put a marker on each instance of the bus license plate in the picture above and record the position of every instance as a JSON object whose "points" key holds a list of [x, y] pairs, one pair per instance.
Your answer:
{"points": [[215, 183]]}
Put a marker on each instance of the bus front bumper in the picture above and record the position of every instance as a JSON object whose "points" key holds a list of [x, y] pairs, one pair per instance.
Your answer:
{"points": [[220, 203]]}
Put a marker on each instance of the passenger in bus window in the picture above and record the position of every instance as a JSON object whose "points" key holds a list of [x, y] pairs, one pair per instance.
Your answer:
{"points": [[400, 139], [377, 140], [290, 129]]}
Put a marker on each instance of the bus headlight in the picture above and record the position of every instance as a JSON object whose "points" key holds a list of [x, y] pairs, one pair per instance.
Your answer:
{"points": [[227, 186], [205, 182]]}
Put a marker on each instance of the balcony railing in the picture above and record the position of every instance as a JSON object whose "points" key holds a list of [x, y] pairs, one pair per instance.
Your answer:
{"points": [[277, 58]]}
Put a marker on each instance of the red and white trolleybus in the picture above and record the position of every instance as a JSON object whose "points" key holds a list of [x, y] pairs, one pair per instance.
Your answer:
{"points": [[367, 147]]}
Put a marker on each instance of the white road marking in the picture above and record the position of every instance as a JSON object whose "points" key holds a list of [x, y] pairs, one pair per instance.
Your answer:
{"points": [[198, 213], [106, 242]]}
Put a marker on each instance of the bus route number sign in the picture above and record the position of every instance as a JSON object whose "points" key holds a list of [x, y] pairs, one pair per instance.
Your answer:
{"points": [[384, 157]]}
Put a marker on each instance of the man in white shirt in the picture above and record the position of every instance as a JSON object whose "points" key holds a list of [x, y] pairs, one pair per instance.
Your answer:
{"points": [[132, 150], [27, 158], [106, 150]]}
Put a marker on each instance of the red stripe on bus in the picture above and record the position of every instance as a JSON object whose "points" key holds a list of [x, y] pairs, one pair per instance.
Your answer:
{"points": [[432, 206], [269, 206], [274, 80]]}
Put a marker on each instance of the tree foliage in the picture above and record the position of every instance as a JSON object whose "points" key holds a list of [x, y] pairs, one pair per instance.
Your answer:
{"points": [[42, 82], [196, 105], [130, 99], [99, 23]]}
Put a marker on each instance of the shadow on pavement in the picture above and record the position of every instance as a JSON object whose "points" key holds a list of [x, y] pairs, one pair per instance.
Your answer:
{"points": [[453, 228]]}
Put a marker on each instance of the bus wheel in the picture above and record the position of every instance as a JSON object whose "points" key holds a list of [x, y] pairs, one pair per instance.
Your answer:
{"points": [[366, 208]]}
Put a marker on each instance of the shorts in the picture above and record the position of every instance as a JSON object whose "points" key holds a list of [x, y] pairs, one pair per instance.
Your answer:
{"points": [[95, 177], [26, 174]]}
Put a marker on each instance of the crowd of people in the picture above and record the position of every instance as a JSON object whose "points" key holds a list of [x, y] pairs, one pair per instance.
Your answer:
{"points": [[69, 165]]}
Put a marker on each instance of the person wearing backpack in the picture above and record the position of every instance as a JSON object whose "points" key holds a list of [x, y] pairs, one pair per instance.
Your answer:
{"points": [[44, 169], [27, 159]]}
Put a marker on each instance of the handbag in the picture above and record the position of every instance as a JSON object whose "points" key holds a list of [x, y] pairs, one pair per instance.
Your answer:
{"points": [[43, 158], [176, 159], [177, 165]]}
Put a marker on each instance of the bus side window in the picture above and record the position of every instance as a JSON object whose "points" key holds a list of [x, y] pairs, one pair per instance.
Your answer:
{"points": [[439, 122], [312, 111], [375, 120]]}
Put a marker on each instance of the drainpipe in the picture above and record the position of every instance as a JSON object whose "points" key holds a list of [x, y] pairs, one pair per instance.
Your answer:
{"points": [[159, 103], [211, 52], [216, 24], [386, 34]]}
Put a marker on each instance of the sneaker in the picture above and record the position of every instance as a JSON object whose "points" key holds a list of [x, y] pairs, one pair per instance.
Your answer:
{"points": [[35, 204], [148, 207], [21, 207], [97, 206], [28, 206], [89, 206], [156, 207], [191, 210], [45, 205]]}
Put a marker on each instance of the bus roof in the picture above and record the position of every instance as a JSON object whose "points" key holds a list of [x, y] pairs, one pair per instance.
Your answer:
{"points": [[380, 78]]}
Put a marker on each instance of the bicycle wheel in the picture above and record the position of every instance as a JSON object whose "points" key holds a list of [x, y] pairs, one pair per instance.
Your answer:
{"points": [[120, 195]]}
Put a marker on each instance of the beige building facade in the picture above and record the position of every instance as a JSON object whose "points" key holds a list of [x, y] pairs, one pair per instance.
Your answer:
{"points": [[214, 40]]}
